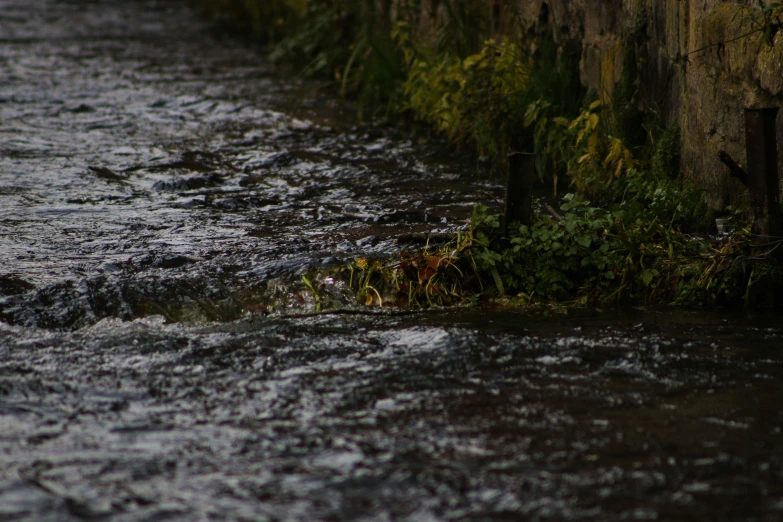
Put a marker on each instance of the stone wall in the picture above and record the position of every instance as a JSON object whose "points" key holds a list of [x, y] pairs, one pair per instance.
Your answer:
{"points": [[690, 76], [720, 82]]}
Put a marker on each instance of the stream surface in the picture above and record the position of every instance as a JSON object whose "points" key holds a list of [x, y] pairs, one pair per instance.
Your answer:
{"points": [[162, 189]]}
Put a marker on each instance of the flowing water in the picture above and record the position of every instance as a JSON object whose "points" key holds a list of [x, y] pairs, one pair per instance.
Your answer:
{"points": [[162, 187]]}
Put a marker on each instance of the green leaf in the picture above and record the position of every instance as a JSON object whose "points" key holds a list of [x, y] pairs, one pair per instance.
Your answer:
{"points": [[648, 275]]}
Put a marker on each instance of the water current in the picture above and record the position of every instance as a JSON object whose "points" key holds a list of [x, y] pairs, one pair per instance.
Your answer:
{"points": [[160, 183]]}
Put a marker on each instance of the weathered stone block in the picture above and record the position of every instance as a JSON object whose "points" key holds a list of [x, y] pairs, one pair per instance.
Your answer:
{"points": [[705, 65]]}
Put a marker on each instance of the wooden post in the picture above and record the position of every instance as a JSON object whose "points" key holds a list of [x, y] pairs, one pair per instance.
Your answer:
{"points": [[519, 188], [762, 172], [765, 287]]}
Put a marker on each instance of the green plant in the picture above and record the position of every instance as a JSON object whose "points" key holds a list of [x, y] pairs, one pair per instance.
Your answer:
{"points": [[625, 253], [628, 115], [469, 99], [270, 20], [316, 297], [632, 251], [766, 22], [350, 42], [553, 100], [434, 276], [666, 156]]}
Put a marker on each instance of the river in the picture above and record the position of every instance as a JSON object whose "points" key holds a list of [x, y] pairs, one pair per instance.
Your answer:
{"points": [[162, 189]]}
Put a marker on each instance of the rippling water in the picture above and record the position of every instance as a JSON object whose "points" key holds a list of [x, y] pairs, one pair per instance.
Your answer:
{"points": [[152, 173], [445, 416]]}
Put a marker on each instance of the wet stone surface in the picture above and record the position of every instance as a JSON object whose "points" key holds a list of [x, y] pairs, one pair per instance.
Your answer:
{"points": [[149, 172]]}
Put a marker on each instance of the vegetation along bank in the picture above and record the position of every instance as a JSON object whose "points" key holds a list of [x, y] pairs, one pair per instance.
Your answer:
{"points": [[607, 111]]}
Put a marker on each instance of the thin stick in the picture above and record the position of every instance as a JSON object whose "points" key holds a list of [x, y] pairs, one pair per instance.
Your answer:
{"points": [[350, 311], [553, 212]]}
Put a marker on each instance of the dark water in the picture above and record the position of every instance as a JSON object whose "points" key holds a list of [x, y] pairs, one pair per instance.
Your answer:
{"points": [[144, 169], [139, 382]]}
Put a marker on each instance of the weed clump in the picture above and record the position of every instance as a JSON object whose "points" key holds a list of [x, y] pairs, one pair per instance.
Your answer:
{"points": [[627, 253]]}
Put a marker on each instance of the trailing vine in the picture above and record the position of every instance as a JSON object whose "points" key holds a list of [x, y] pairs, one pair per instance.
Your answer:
{"points": [[765, 22]]}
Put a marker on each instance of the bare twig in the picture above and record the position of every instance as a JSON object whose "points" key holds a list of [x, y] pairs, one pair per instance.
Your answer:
{"points": [[353, 311], [724, 42], [734, 169], [553, 212]]}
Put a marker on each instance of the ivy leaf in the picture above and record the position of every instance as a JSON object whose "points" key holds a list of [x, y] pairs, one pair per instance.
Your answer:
{"points": [[648, 275]]}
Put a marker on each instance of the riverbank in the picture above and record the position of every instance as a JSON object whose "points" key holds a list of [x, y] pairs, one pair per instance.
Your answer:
{"points": [[630, 232]]}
